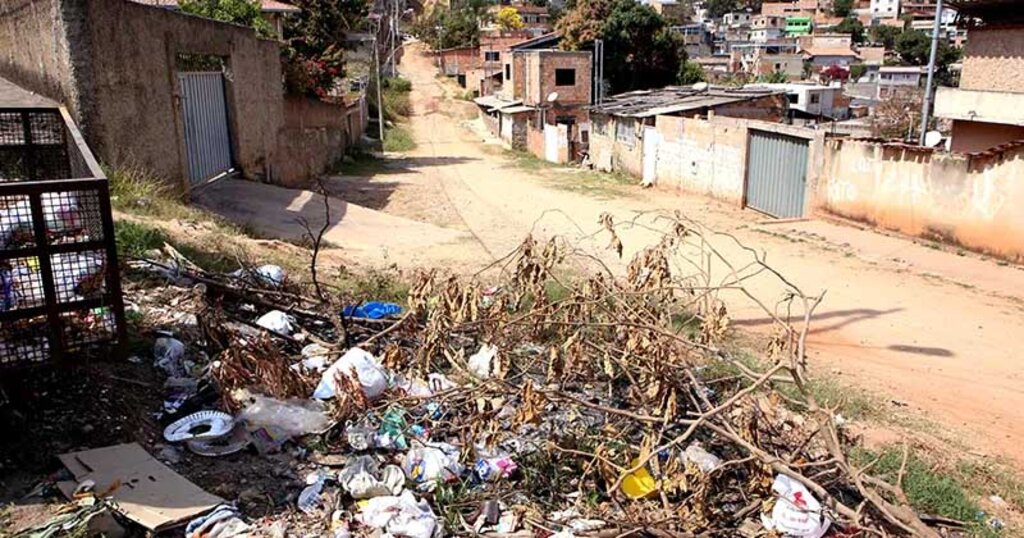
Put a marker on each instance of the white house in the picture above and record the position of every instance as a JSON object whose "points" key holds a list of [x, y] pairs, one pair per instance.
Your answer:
{"points": [[885, 9]]}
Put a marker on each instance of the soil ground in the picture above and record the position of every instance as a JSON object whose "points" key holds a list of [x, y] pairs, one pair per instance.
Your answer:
{"points": [[933, 331]]}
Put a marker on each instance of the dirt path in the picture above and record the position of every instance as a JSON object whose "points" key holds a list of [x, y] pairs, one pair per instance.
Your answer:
{"points": [[936, 332]]}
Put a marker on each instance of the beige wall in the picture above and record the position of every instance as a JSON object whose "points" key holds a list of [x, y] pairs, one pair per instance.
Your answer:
{"points": [[973, 201], [125, 94], [994, 60], [973, 136], [609, 153]]}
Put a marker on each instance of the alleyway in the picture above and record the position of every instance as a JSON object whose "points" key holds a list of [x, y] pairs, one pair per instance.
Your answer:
{"points": [[930, 330]]}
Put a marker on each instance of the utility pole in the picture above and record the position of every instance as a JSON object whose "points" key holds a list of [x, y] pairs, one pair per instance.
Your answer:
{"points": [[926, 106], [380, 102]]}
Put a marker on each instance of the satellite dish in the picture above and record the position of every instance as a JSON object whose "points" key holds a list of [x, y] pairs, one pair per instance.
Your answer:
{"points": [[700, 86], [932, 138], [552, 97]]}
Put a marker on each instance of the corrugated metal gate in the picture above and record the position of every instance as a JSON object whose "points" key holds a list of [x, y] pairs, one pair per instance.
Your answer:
{"points": [[205, 116], [777, 174]]}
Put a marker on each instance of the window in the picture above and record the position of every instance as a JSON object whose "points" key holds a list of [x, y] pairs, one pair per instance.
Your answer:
{"points": [[815, 98], [508, 71], [565, 77], [793, 98], [492, 56], [601, 126], [624, 131]]}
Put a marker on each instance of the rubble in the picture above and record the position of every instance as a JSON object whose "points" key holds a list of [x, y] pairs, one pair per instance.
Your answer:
{"points": [[502, 409]]}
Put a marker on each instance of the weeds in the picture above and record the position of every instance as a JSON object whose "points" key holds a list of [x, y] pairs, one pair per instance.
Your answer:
{"points": [[398, 138], [135, 239]]}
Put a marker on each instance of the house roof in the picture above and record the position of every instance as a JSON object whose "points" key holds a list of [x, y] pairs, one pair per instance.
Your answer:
{"points": [[992, 11], [266, 6], [872, 55], [540, 42], [903, 69], [675, 99], [527, 8]]}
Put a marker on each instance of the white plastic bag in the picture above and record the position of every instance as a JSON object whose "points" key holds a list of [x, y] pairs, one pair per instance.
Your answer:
{"points": [[268, 275], [314, 357], [291, 418], [428, 464], [360, 480], [797, 513], [704, 460], [277, 321], [401, 515], [372, 376], [482, 363], [168, 354]]}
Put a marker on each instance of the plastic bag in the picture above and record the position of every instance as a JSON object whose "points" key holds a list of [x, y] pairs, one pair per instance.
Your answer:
{"points": [[277, 321], [225, 521], [796, 513], [704, 460], [314, 357], [268, 275], [371, 375], [168, 354], [428, 464], [371, 310], [483, 364], [360, 480], [401, 515], [491, 469], [291, 418]]}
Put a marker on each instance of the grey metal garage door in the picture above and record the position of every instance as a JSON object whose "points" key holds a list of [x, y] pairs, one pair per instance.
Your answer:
{"points": [[777, 174], [205, 115]]}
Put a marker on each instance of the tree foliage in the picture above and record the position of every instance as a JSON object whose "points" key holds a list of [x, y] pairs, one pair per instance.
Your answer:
{"points": [[842, 8], [508, 19], [640, 51], [314, 55], [717, 8], [885, 35], [852, 26], [444, 28], [243, 12], [691, 73], [914, 48], [775, 77]]}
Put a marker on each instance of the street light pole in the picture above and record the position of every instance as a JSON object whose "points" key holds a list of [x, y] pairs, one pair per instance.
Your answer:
{"points": [[380, 102], [926, 106]]}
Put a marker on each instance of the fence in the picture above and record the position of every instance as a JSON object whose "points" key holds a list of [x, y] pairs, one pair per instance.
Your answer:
{"points": [[59, 276]]}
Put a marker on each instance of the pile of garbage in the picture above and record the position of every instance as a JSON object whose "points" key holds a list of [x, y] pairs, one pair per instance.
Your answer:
{"points": [[599, 407]]}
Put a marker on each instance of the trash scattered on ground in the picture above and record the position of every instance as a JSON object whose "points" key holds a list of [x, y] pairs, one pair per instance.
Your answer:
{"points": [[372, 310], [223, 522], [277, 321], [367, 372], [201, 425], [796, 513], [142, 489]]}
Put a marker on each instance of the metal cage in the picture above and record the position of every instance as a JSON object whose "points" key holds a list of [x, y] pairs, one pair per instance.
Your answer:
{"points": [[60, 288]]}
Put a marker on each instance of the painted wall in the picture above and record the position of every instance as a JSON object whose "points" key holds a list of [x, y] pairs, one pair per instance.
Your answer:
{"points": [[971, 200], [994, 60], [608, 152], [972, 136]]}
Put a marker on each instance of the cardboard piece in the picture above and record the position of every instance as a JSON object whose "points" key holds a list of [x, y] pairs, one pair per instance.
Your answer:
{"points": [[144, 490]]}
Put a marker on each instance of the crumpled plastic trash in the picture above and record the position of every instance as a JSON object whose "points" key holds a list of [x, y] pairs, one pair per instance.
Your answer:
{"points": [[285, 418], [431, 463], [797, 513], [492, 466], [309, 498], [371, 375], [704, 460], [401, 515], [371, 310], [392, 430], [225, 521], [360, 480], [60, 209], [277, 321], [314, 358], [168, 354], [483, 364], [640, 483], [269, 275]]}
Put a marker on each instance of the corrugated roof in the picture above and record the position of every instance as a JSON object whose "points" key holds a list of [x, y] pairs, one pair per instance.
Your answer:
{"points": [[675, 99], [494, 102]]}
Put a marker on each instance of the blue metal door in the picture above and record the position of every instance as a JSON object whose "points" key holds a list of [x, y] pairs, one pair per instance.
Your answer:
{"points": [[205, 116], [777, 174]]}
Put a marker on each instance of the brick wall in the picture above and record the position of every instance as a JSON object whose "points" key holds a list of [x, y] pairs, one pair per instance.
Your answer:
{"points": [[540, 68]]}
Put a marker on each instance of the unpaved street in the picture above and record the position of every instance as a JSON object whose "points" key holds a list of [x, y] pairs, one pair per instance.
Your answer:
{"points": [[927, 329]]}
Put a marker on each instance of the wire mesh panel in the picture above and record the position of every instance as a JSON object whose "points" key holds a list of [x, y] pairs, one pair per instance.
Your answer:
{"points": [[60, 287]]}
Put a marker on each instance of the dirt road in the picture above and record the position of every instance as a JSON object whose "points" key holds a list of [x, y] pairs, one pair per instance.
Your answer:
{"points": [[933, 331]]}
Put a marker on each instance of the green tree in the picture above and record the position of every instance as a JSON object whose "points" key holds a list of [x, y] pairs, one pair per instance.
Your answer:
{"points": [[852, 26], [842, 8], [857, 71], [914, 48], [691, 73], [508, 19], [243, 12], [314, 55], [445, 28], [717, 8], [640, 51], [776, 77], [885, 35]]}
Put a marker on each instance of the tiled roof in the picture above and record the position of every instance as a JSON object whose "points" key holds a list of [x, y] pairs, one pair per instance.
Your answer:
{"points": [[268, 6]]}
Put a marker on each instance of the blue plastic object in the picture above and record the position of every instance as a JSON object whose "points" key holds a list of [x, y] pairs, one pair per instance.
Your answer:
{"points": [[372, 310]]}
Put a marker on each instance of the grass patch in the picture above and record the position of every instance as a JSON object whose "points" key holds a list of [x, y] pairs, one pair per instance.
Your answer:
{"points": [[398, 138], [578, 180], [135, 239], [375, 284], [394, 96]]}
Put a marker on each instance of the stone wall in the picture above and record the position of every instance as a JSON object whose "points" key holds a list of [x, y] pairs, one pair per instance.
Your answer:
{"points": [[972, 200]]}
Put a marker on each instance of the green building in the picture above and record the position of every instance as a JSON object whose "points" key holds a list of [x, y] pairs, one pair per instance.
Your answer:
{"points": [[798, 26]]}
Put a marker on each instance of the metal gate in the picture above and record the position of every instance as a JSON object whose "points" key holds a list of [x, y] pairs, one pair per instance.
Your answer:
{"points": [[777, 174], [205, 116]]}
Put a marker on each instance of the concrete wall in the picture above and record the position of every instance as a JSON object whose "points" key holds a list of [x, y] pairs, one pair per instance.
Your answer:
{"points": [[316, 136], [972, 136], [609, 153], [994, 60], [458, 61], [971, 200], [125, 94], [539, 73]]}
